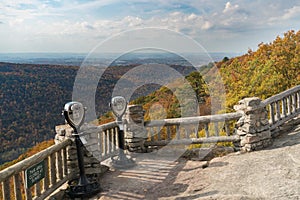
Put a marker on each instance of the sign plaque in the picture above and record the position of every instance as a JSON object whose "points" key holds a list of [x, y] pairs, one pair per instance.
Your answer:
{"points": [[34, 174]]}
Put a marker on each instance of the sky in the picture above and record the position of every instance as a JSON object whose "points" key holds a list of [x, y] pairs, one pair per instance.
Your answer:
{"points": [[79, 25]]}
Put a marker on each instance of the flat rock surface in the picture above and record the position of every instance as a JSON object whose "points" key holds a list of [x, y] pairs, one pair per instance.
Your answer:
{"points": [[273, 173]]}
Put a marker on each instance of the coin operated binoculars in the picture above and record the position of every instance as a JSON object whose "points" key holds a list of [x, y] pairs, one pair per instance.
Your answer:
{"points": [[118, 105], [74, 113]]}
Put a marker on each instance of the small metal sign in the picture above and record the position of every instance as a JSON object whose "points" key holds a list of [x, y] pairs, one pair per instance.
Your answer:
{"points": [[118, 106], [34, 174]]}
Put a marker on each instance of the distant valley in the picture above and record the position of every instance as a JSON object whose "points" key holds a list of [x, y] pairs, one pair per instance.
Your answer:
{"points": [[32, 97]]}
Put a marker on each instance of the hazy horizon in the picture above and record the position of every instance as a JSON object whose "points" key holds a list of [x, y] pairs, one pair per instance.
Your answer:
{"points": [[77, 58]]}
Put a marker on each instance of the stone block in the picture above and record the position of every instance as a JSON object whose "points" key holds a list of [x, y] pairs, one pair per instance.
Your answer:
{"points": [[136, 117], [251, 139], [87, 165], [243, 141], [252, 101], [133, 145], [250, 117], [267, 142], [265, 122], [240, 132], [141, 134], [262, 128], [248, 128], [134, 127], [90, 160], [134, 108], [72, 164], [259, 144], [264, 135], [72, 147], [248, 103], [88, 154], [59, 138], [240, 122], [96, 165], [247, 148], [252, 122], [93, 148], [128, 134], [133, 140]]}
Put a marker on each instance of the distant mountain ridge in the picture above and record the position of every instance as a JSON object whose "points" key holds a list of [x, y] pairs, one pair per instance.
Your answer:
{"points": [[76, 59]]}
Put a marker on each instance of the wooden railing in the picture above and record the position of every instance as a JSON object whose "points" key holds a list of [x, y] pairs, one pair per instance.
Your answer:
{"points": [[283, 107], [219, 128], [192, 130], [102, 140], [54, 166]]}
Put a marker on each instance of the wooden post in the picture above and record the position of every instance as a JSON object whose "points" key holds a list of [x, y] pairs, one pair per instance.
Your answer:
{"points": [[46, 179], [206, 130], [5, 190], [52, 169], [17, 187]]}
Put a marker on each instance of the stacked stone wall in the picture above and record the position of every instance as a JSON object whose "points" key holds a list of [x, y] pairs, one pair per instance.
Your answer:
{"points": [[253, 127], [134, 130], [91, 164]]}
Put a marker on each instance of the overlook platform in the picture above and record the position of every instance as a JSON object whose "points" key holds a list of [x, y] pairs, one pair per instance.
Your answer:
{"points": [[272, 173]]}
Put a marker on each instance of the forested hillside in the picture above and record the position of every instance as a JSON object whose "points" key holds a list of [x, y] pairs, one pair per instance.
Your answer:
{"points": [[273, 68], [164, 103], [32, 98]]}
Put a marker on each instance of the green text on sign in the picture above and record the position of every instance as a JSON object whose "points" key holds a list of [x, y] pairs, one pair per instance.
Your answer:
{"points": [[34, 174]]}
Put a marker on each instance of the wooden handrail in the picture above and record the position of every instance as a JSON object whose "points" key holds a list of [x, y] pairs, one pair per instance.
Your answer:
{"points": [[36, 158], [283, 107], [234, 138], [54, 159], [281, 95], [194, 120]]}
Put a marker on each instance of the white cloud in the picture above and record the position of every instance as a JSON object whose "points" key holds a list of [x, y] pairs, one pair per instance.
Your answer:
{"points": [[15, 22], [207, 25], [131, 21], [83, 35], [287, 15], [80, 22], [292, 12], [230, 8], [192, 17]]}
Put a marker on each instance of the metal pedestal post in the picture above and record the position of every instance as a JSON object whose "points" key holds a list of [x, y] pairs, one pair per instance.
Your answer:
{"points": [[121, 161], [82, 187]]}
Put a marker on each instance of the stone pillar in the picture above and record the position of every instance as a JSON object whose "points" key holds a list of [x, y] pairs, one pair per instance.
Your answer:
{"points": [[253, 127], [134, 130], [91, 164]]}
